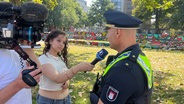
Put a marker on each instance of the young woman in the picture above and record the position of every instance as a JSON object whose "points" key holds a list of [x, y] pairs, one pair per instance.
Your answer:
{"points": [[54, 82]]}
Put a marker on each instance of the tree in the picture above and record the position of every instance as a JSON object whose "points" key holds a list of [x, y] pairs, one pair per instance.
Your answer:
{"points": [[177, 20], [97, 10], [54, 18], [145, 9], [65, 14], [82, 17], [49, 3]]}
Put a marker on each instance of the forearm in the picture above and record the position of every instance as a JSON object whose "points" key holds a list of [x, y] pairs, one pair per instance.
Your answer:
{"points": [[10, 90], [58, 77], [66, 75], [69, 74]]}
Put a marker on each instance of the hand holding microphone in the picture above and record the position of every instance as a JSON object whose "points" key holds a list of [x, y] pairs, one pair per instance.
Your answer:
{"points": [[85, 66], [99, 56]]}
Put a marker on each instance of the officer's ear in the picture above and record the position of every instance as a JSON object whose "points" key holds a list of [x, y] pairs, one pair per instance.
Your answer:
{"points": [[118, 32]]}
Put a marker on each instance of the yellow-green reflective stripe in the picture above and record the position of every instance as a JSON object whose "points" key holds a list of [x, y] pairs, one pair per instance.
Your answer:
{"points": [[141, 60], [121, 57], [145, 64]]}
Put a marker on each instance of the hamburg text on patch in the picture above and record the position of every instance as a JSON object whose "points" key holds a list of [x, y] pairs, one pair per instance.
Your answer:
{"points": [[112, 94]]}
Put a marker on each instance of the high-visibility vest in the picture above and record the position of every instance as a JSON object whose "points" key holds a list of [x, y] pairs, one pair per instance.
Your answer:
{"points": [[141, 60]]}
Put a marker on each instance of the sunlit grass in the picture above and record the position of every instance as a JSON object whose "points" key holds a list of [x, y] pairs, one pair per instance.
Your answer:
{"points": [[168, 76], [168, 67]]}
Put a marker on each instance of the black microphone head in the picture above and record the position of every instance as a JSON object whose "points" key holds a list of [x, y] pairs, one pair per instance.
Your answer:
{"points": [[5, 5], [101, 54], [34, 12], [5, 8]]}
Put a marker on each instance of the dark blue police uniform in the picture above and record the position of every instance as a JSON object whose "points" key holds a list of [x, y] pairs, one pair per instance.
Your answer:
{"points": [[128, 75], [125, 81]]}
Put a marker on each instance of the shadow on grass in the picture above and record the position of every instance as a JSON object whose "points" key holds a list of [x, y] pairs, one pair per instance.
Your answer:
{"points": [[82, 83], [81, 86], [165, 92]]}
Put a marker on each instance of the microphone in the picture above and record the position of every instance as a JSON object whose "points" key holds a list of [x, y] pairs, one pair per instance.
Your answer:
{"points": [[4, 6], [99, 56], [6, 10], [33, 12]]}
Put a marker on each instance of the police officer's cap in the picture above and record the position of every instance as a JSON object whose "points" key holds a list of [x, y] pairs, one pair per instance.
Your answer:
{"points": [[121, 20]]}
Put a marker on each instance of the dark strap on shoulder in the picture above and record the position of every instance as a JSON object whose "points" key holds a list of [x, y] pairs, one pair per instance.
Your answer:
{"points": [[109, 59], [134, 55]]}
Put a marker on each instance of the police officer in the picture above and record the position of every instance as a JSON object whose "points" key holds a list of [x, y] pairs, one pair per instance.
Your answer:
{"points": [[128, 77]]}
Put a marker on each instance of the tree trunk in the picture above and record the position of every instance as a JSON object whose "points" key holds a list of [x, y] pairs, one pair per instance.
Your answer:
{"points": [[157, 17], [15, 2]]}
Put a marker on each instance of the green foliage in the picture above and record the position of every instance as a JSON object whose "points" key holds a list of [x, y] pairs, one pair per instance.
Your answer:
{"points": [[82, 17], [177, 20], [65, 15], [54, 17], [167, 67], [50, 3], [97, 10], [161, 9], [141, 11]]}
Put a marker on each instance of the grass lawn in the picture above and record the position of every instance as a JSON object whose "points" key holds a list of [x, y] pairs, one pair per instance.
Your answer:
{"points": [[168, 67]]}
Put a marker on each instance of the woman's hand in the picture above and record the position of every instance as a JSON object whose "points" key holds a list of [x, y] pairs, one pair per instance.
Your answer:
{"points": [[65, 85], [83, 66]]}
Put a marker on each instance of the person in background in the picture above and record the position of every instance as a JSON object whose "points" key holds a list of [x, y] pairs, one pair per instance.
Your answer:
{"points": [[128, 77], [13, 90], [54, 82]]}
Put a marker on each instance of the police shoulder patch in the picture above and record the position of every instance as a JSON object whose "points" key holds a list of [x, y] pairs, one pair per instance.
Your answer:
{"points": [[112, 94]]}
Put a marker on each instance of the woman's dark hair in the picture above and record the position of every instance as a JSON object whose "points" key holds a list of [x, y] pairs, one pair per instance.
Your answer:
{"points": [[51, 36]]}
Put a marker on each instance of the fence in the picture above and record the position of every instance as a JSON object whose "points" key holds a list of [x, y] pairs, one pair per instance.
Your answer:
{"points": [[153, 41]]}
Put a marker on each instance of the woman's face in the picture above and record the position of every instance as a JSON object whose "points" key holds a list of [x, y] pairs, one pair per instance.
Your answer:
{"points": [[58, 43]]}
